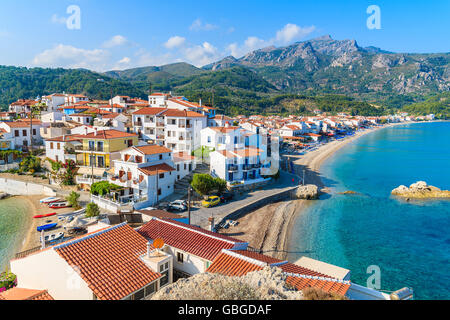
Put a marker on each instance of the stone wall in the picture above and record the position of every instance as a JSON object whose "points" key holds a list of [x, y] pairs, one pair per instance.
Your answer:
{"points": [[21, 188]]}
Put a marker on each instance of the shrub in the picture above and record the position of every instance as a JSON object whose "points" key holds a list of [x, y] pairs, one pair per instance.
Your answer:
{"points": [[318, 294], [72, 199], [92, 210], [102, 188]]}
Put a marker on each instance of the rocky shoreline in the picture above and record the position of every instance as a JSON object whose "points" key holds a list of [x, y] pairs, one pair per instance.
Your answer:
{"points": [[420, 190]]}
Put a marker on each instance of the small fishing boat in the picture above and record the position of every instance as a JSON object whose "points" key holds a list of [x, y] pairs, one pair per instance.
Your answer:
{"points": [[49, 200], [58, 205], [46, 227], [53, 237], [44, 215]]}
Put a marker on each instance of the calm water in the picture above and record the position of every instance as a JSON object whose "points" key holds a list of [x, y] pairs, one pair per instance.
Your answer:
{"points": [[410, 242], [14, 221]]}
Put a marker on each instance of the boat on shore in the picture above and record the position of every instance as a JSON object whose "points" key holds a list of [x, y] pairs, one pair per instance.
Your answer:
{"points": [[49, 200], [46, 227], [71, 214], [44, 215], [53, 237], [59, 205]]}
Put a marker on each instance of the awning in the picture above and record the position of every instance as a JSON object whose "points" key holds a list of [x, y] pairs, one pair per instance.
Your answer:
{"points": [[88, 171]]}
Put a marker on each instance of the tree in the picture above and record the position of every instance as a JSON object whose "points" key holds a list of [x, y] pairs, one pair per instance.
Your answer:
{"points": [[205, 183], [92, 210], [202, 183], [102, 188], [220, 185], [72, 199]]}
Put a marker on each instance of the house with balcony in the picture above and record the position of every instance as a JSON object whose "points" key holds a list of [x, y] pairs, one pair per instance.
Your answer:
{"points": [[63, 148], [178, 130], [21, 133], [114, 263], [98, 151], [239, 166], [146, 175]]}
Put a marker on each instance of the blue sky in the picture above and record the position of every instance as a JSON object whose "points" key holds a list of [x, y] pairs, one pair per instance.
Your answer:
{"points": [[124, 34]]}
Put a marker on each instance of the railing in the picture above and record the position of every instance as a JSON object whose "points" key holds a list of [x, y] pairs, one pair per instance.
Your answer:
{"points": [[232, 167], [246, 167], [160, 124], [85, 180], [25, 253], [189, 126], [181, 126], [160, 137]]}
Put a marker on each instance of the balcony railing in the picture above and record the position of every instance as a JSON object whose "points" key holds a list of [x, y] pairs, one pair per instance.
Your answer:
{"points": [[247, 167], [160, 137], [232, 167], [160, 124]]}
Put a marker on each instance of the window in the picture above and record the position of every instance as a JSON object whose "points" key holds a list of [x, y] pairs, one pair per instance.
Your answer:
{"points": [[58, 146], [151, 288], [24, 133], [16, 133], [161, 175], [51, 145], [139, 295], [160, 157], [209, 139], [34, 132], [180, 257], [159, 192]]}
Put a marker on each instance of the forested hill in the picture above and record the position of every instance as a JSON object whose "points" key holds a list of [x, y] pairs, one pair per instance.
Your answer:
{"points": [[28, 83]]}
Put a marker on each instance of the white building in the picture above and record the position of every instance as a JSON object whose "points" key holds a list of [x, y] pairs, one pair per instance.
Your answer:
{"points": [[63, 148], [147, 174], [178, 130], [20, 132], [54, 101], [116, 263]]}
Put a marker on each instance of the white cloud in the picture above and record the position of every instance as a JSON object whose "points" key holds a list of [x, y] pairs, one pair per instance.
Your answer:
{"points": [[288, 34], [250, 44], [175, 42], [198, 25], [115, 41], [124, 60], [67, 56], [292, 32], [58, 20], [201, 55]]}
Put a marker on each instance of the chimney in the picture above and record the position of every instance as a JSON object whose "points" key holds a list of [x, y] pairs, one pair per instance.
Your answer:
{"points": [[85, 130], [95, 131], [211, 220], [200, 102], [149, 249]]}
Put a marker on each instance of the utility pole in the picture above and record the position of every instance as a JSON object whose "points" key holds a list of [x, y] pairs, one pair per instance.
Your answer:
{"points": [[189, 205], [31, 131], [157, 185]]}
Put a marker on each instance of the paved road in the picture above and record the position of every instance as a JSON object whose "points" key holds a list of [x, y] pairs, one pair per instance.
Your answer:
{"points": [[200, 216]]}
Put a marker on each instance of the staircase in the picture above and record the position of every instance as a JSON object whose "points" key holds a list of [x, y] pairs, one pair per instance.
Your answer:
{"points": [[181, 186]]}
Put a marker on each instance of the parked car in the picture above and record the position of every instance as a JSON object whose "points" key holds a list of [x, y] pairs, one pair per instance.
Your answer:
{"points": [[179, 207], [211, 201], [226, 196], [179, 202]]}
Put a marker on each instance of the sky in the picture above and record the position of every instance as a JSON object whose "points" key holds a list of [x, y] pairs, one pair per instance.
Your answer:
{"points": [[106, 35]]}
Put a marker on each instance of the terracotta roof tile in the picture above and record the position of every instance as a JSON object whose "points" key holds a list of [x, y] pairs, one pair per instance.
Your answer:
{"points": [[152, 149], [109, 261], [25, 294], [194, 240], [109, 134], [156, 169], [149, 111]]}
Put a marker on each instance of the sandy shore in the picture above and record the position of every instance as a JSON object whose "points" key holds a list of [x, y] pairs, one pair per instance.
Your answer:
{"points": [[269, 227], [31, 239]]}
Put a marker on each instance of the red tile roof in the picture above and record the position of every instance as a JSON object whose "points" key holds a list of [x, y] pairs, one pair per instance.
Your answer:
{"points": [[25, 294], [241, 262], [156, 169], [149, 111], [109, 134], [109, 261], [182, 114], [301, 282], [152, 149], [194, 240]]}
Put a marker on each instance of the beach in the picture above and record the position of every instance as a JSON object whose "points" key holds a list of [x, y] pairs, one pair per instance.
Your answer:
{"points": [[269, 228]]}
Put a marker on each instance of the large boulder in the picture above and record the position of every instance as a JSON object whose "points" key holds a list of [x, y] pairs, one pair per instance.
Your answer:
{"points": [[420, 190], [307, 192]]}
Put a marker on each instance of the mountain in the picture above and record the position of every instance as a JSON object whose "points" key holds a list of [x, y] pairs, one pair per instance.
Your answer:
{"points": [[343, 67], [156, 74], [28, 83]]}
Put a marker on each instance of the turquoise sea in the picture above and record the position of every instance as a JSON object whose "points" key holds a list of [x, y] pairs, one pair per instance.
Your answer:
{"points": [[14, 221], [409, 241]]}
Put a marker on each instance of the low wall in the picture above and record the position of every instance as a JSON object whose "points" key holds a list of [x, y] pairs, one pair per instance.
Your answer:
{"points": [[21, 188], [280, 196]]}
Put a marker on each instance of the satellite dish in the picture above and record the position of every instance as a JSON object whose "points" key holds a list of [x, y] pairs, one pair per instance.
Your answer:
{"points": [[158, 243]]}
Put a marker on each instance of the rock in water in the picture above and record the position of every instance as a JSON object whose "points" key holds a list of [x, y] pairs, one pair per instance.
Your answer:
{"points": [[308, 192], [420, 190]]}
